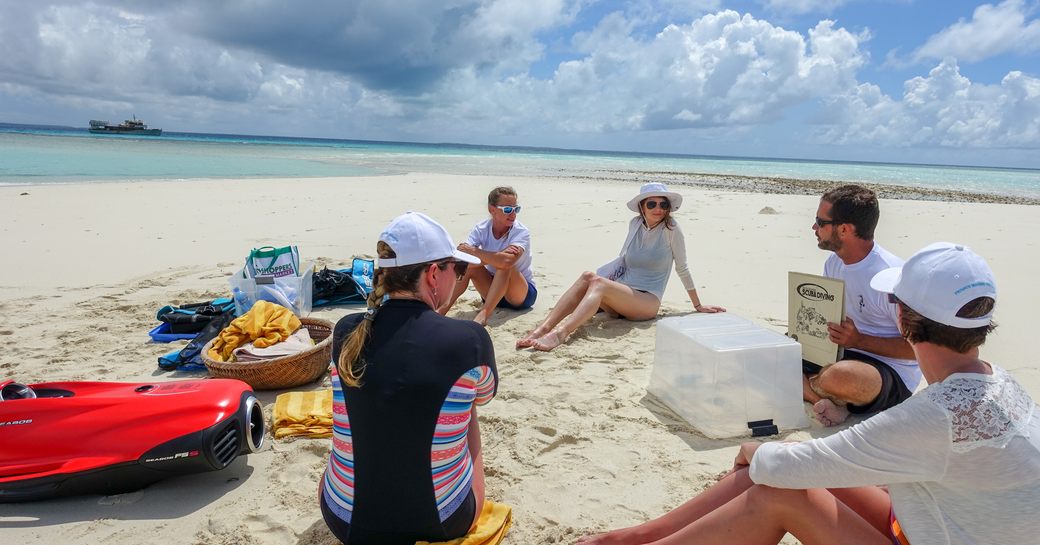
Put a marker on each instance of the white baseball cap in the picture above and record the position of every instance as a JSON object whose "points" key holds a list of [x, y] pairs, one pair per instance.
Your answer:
{"points": [[655, 189], [417, 238], [938, 280]]}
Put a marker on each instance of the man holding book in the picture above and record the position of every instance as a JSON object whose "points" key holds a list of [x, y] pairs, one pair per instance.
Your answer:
{"points": [[877, 370]]}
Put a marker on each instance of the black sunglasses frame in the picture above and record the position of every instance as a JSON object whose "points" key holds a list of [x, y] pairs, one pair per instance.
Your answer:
{"points": [[459, 267], [650, 205], [820, 222]]}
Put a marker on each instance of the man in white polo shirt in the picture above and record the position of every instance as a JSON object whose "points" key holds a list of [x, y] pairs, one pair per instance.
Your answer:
{"points": [[503, 246], [878, 370]]}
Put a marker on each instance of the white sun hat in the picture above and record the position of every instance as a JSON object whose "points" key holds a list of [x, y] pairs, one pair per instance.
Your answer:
{"points": [[655, 189], [417, 238], [938, 280]]}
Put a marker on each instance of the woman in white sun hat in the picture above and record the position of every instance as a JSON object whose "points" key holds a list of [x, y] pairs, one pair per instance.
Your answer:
{"points": [[634, 286], [406, 462], [957, 463]]}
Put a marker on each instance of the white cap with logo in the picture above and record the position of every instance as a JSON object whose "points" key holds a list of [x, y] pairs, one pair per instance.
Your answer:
{"points": [[938, 280], [417, 238]]}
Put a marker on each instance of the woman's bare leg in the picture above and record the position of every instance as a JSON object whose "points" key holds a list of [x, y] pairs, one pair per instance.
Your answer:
{"points": [[732, 485], [871, 502], [736, 511], [632, 304], [763, 514], [564, 306]]}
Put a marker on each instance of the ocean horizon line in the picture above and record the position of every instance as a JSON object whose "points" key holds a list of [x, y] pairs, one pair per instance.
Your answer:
{"points": [[299, 140]]}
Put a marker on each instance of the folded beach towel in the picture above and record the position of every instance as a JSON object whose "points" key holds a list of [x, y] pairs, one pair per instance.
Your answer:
{"points": [[296, 343], [265, 324], [495, 520], [303, 413]]}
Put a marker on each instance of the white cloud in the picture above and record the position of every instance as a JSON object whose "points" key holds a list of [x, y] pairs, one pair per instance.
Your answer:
{"points": [[943, 109], [993, 30], [399, 45], [717, 76], [799, 7], [103, 52], [722, 69]]}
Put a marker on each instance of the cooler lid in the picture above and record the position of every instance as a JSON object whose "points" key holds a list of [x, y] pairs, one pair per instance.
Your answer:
{"points": [[750, 338], [695, 324]]}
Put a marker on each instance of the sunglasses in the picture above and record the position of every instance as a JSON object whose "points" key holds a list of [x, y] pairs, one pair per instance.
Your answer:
{"points": [[508, 209], [665, 204], [820, 222], [460, 267], [893, 299]]}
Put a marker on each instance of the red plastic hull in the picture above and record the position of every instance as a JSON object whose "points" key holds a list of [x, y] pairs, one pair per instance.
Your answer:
{"points": [[106, 437]]}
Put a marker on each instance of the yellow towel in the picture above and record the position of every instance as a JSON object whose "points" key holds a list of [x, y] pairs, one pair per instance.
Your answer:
{"points": [[303, 413], [495, 520], [265, 324]]}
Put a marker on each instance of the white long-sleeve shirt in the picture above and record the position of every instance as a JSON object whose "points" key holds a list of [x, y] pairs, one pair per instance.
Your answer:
{"points": [[961, 459], [649, 255]]}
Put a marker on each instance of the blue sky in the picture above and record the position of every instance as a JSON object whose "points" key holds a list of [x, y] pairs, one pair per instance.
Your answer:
{"points": [[886, 80]]}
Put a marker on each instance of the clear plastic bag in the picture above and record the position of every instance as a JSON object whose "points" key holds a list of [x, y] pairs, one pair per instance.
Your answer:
{"points": [[292, 292]]}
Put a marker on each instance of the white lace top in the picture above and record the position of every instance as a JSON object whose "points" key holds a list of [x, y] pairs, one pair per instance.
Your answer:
{"points": [[961, 459]]}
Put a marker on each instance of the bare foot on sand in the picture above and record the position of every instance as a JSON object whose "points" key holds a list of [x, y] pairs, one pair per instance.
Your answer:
{"points": [[481, 318], [830, 413], [527, 341], [548, 341]]}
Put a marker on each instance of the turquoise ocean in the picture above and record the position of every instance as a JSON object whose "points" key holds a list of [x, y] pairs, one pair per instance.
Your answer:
{"points": [[46, 155]]}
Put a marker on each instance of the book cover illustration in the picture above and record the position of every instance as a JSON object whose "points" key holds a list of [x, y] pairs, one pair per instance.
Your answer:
{"points": [[813, 302]]}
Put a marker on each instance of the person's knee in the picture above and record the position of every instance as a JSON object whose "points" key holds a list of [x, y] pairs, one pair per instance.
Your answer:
{"points": [[849, 380], [597, 283], [588, 276], [470, 270], [766, 500]]}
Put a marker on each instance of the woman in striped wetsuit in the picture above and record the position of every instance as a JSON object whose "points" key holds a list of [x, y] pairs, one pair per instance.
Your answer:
{"points": [[406, 463]]}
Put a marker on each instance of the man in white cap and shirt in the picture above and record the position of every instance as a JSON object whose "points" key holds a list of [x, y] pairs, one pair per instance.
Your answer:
{"points": [[877, 370], [958, 463]]}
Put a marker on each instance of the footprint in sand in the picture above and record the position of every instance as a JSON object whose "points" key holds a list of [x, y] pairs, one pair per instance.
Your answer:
{"points": [[562, 441], [546, 430]]}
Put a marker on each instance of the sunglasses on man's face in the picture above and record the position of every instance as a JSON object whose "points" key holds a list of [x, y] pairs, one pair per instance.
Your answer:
{"points": [[665, 205], [508, 209], [820, 222]]}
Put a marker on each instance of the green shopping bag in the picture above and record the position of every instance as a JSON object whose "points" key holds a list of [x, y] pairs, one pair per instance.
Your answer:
{"points": [[271, 261]]}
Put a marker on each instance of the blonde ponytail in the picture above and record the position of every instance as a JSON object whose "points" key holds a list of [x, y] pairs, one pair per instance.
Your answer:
{"points": [[351, 364]]}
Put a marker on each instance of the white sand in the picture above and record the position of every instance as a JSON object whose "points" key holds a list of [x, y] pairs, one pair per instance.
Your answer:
{"points": [[572, 442]]}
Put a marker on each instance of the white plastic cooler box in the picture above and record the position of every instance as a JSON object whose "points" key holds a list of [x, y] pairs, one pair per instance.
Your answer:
{"points": [[727, 376]]}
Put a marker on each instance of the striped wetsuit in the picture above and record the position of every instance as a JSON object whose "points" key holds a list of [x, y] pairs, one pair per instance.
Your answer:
{"points": [[400, 469]]}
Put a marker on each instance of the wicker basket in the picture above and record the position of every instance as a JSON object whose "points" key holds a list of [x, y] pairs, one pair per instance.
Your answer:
{"points": [[283, 372]]}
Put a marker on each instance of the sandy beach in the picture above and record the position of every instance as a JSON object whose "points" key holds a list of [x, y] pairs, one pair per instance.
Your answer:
{"points": [[572, 442]]}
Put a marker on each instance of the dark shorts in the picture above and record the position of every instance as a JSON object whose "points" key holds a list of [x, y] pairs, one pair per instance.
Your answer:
{"points": [[532, 294], [893, 391]]}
